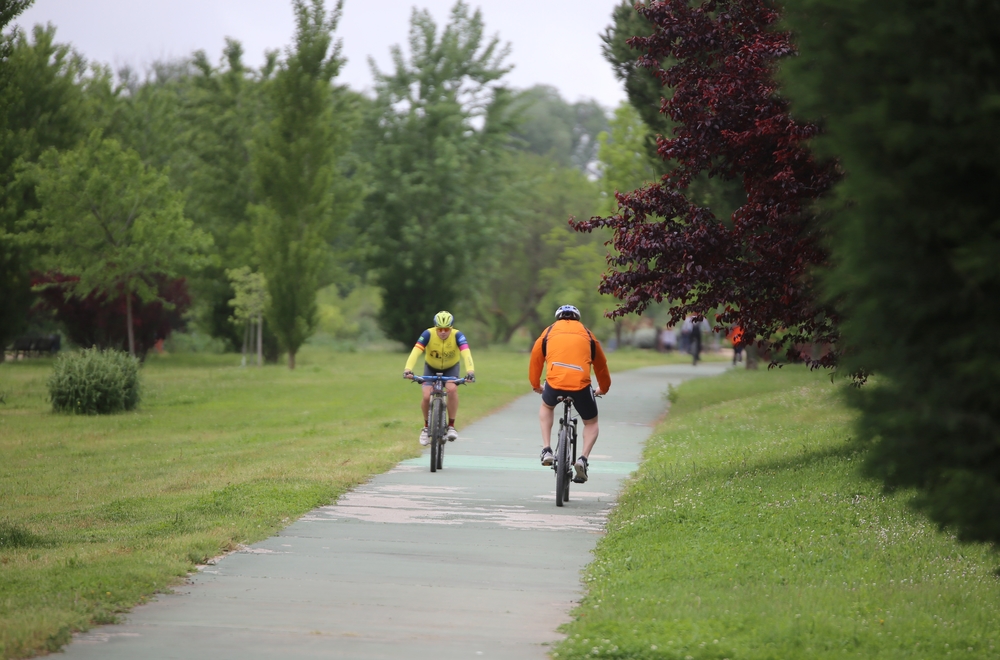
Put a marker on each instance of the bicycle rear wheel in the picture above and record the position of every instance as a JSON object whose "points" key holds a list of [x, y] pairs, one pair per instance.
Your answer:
{"points": [[437, 433], [572, 455], [562, 462]]}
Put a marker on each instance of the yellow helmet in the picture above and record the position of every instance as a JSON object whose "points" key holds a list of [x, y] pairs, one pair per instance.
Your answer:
{"points": [[443, 320]]}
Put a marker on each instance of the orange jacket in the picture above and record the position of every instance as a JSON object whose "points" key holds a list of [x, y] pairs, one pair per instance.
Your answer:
{"points": [[736, 334], [567, 358]]}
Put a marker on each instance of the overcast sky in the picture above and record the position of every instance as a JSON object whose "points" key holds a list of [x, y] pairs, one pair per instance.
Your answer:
{"points": [[554, 42]]}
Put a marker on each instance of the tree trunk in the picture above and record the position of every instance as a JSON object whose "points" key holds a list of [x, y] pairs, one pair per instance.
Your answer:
{"points": [[246, 340], [291, 359], [751, 355], [128, 320], [260, 339]]}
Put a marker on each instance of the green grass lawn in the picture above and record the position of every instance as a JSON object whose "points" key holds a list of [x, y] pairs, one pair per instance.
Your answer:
{"points": [[99, 513], [748, 534]]}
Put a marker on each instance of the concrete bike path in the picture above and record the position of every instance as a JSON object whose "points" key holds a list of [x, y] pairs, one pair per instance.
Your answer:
{"points": [[474, 561]]}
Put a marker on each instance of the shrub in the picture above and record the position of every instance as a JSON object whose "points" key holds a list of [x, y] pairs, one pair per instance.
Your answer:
{"points": [[13, 535], [99, 319], [95, 382]]}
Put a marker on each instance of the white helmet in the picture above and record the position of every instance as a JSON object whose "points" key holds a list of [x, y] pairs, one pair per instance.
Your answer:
{"points": [[568, 312]]}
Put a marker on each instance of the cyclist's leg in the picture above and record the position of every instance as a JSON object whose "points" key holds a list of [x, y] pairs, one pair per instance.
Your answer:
{"points": [[590, 432], [452, 401], [586, 406], [425, 403], [546, 414]]}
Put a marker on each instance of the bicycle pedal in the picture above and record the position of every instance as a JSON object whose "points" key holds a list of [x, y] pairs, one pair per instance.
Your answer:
{"points": [[578, 480]]}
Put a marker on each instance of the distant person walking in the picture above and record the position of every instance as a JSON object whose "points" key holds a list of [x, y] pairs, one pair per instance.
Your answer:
{"points": [[668, 338], [694, 330], [736, 337], [568, 350], [441, 346]]}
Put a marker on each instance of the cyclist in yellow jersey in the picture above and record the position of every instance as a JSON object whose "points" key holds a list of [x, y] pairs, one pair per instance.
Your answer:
{"points": [[442, 347]]}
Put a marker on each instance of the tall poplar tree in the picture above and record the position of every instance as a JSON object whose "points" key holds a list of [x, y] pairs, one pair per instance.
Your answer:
{"points": [[294, 159], [223, 106]]}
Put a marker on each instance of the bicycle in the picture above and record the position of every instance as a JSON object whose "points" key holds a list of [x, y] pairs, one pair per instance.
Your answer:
{"points": [[565, 450], [437, 418]]}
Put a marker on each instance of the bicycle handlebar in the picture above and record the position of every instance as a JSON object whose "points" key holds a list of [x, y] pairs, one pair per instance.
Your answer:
{"points": [[443, 379]]}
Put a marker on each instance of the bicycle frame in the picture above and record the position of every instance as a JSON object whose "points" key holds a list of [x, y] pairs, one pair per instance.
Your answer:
{"points": [[437, 417], [565, 450]]}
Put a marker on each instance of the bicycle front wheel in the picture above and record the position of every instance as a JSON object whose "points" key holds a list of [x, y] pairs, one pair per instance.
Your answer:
{"points": [[437, 432], [562, 463]]}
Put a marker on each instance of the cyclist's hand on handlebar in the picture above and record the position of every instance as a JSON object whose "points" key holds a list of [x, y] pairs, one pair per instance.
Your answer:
{"points": [[408, 374], [470, 377]]}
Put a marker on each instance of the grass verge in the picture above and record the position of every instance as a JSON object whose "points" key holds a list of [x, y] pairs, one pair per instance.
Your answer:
{"points": [[748, 534], [99, 513]]}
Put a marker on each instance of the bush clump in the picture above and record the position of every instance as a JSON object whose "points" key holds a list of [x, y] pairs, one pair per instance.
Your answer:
{"points": [[14, 536], [95, 382]]}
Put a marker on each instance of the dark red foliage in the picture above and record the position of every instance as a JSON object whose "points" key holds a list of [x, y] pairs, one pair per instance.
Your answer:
{"points": [[755, 268], [97, 321]]}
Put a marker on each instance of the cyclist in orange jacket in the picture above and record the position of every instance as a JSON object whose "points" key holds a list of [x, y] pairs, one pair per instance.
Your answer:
{"points": [[568, 350]]}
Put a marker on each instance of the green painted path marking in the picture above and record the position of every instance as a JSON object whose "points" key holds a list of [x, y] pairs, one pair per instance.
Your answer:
{"points": [[509, 463]]}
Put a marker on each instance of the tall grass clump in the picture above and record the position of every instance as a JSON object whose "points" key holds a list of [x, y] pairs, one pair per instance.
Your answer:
{"points": [[95, 382]]}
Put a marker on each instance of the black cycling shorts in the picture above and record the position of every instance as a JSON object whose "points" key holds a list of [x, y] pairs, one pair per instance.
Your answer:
{"points": [[451, 372], [583, 399]]}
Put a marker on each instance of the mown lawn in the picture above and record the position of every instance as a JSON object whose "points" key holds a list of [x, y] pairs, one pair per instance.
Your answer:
{"points": [[748, 534], [99, 513]]}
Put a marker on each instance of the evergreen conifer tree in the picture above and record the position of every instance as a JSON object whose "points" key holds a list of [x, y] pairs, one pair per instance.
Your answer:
{"points": [[910, 96]]}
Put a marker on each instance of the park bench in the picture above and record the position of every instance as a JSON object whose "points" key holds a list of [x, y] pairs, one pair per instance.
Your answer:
{"points": [[34, 346]]}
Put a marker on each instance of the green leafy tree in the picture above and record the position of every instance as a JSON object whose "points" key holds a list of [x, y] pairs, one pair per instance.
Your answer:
{"points": [[146, 114], [221, 109], [570, 280], [295, 166], [644, 91], [548, 125], [440, 122], [42, 105], [624, 161], [508, 281], [910, 97], [248, 305], [113, 222]]}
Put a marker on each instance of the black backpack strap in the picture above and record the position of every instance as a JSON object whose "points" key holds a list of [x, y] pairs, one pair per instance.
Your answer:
{"points": [[545, 340]]}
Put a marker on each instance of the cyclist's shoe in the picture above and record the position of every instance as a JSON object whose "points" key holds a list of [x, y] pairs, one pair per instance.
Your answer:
{"points": [[581, 470], [425, 437], [547, 457], [451, 435]]}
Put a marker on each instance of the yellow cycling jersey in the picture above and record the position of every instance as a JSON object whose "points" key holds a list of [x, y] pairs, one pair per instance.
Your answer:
{"points": [[441, 354]]}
